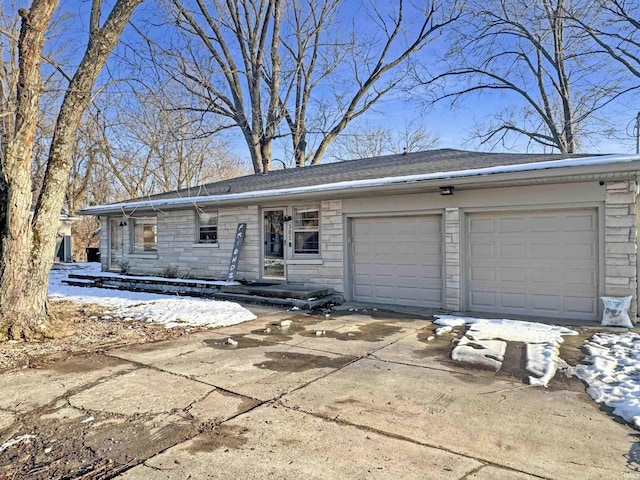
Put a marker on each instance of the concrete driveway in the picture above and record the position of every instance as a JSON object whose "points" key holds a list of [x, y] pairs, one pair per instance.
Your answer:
{"points": [[357, 395]]}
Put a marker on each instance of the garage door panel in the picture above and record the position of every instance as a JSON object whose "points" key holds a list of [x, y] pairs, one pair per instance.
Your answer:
{"points": [[546, 263], [508, 225], [542, 251], [581, 251], [580, 278], [580, 305], [512, 275], [510, 250], [398, 260], [481, 249], [543, 223], [546, 303], [579, 223], [480, 225], [484, 301], [513, 300], [483, 273]]}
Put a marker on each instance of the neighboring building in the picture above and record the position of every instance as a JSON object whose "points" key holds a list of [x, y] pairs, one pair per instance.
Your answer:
{"points": [[63, 239], [504, 234]]}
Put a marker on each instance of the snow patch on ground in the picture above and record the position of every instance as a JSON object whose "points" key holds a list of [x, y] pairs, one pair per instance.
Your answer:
{"points": [[612, 371], [170, 310], [486, 353], [485, 344]]}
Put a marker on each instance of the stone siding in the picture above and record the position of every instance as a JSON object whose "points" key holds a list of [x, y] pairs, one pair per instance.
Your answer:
{"points": [[452, 258], [327, 270], [620, 245], [178, 247]]}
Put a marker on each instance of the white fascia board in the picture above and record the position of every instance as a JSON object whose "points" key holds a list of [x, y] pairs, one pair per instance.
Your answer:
{"points": [[361, 184]]}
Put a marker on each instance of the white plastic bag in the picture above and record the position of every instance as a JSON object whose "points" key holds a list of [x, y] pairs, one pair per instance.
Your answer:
{"points": [[616, 312]]}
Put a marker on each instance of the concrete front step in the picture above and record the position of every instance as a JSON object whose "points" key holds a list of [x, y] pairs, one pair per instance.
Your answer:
{"points": [[279, 290], [306, 297], [275, 301]]}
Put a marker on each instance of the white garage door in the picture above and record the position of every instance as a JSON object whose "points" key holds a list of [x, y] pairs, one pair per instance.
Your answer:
{"points": [[533, 263], [397, 260]]}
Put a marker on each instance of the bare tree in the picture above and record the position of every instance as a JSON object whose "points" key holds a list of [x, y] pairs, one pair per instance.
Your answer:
{"points": [[303, 69], [146, 148], [375, 141], [542, 64], [27, 242], [614, 25]]}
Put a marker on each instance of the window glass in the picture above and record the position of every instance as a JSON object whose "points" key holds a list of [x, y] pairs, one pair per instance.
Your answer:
{"points": [[207, 227], [145, 235], [306, 230]]}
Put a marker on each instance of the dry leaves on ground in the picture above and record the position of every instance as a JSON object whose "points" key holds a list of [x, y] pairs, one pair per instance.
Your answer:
{"points": [[92, 331]]}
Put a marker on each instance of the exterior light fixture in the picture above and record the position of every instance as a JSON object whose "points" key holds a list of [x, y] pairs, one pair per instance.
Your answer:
{"points": [[446, 190]]}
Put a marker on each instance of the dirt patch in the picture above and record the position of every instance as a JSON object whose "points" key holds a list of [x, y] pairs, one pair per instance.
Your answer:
{"points": [[227, 437], [96, 446], [370, 332], [299, 362], [515, 361], [571, 348], [439, 347], [277, 333], [91, 333]]}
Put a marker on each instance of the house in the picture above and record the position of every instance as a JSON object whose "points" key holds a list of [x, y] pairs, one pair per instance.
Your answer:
{"points": [[505, 234]]}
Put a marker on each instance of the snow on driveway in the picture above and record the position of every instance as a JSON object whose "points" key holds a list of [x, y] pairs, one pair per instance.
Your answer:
{"points": [[485, 342], [612, 372], [169, 310]]}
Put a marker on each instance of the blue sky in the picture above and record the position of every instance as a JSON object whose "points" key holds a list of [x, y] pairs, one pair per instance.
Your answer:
{"points": [[452, 125]]}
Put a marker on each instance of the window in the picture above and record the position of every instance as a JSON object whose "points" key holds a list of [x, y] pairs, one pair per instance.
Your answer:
{"points": [[145, 235], [306, 230], [207, 227]]}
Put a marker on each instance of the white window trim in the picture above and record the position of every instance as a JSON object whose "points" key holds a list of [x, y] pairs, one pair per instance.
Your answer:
{"points": [[302, 256]]}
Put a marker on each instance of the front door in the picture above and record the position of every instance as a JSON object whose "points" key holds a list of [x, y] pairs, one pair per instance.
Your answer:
{"points": [[116, 243], [274, 244]]}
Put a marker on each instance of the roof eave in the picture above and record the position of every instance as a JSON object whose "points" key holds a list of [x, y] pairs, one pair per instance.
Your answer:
{"points": [[482, 180]]}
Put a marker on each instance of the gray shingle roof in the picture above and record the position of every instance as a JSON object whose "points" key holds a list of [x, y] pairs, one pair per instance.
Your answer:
{"points": [[432, 161]]}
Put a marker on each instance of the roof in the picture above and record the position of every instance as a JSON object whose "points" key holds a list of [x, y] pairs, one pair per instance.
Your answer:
{"points": [[363, 169], [368, 172]]}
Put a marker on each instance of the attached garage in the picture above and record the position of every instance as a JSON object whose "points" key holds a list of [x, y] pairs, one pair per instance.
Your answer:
{"points": [[539, 263], [397, 260]]}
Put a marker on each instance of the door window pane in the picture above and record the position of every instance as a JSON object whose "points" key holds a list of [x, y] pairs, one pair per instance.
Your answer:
{"points": [[274, 244]]}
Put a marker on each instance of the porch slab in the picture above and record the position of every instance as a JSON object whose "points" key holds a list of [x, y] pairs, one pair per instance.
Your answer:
{"points": [[253, 368], [272, 442], [493, 420]]}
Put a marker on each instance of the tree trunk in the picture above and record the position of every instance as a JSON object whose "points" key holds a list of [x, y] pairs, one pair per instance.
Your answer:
{"points": [[28, 245], [21, 314]]}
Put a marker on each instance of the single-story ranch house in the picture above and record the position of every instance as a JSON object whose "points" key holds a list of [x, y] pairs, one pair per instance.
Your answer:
{"points": [[506, 234]]}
